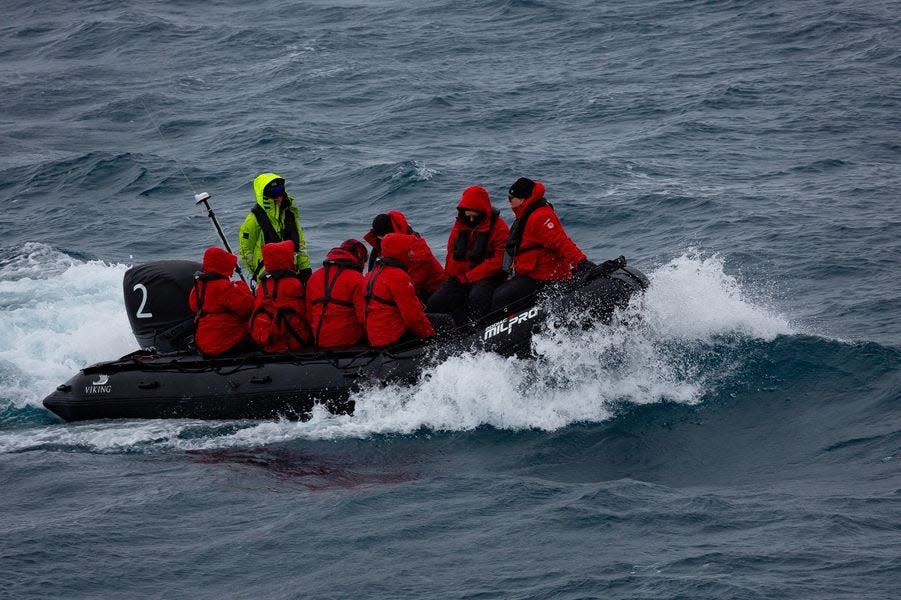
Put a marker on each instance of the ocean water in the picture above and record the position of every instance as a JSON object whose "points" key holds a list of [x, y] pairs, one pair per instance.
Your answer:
{"points": [[740, 439]]}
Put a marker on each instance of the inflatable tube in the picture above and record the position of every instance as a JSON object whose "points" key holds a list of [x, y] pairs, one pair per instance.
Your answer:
{"points": [[149, 384]]}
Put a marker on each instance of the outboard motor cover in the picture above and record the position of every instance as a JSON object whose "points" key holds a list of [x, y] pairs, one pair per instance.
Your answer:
{"points": [[156, 299]]}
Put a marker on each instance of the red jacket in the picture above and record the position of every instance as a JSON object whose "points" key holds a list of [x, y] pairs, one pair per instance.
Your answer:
{"points": [[476, 253], [279, 322], [424, 269], [335, 307], [392, 307], [221, 306], [545, 252]]}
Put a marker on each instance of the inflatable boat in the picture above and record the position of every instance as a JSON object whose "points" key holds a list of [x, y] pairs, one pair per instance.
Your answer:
{"points": [[166, 379]]}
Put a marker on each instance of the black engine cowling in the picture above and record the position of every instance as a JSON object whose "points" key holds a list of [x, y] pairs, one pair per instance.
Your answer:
{"points": [[156, 299]]}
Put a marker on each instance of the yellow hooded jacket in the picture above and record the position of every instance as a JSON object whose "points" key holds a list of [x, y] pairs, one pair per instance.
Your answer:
{"points": [[282, 219]]}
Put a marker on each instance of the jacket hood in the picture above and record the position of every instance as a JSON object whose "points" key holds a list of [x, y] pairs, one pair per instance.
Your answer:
{"points": [[397, 246], [217, 260], [398, 221], [279, 256], [340, 254], [536, 195], [352, 250], [398, 224], [260, 183], [475, 197]]}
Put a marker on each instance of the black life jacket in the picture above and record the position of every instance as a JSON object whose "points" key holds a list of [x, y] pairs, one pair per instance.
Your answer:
{"points": [[479, 250], [270, 235], [278, 317], [200, 280], [329, 284], [517, 230]]}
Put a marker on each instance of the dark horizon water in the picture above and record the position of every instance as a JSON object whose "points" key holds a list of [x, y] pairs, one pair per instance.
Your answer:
{"points": [[740, 440]]}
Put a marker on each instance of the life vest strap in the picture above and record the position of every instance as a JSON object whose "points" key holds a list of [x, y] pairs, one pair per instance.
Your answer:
{"points": [[512, 248], [270, 235], [327, 294], [479, 251], [370, 296], [203, 277], [280, 317]]}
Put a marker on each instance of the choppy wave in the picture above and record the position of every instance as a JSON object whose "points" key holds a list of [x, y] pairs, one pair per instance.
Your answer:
{"points": [[725, 444]]}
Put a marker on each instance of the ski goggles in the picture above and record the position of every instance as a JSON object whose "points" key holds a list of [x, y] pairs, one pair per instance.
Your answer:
{"points": [[274, 190]]}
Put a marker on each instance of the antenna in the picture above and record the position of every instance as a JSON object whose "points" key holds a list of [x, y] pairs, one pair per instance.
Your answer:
{"points": [[204, 198]]}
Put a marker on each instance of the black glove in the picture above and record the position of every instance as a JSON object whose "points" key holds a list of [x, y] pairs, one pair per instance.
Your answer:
{"points": [[584, 269], [609, 266], [304, 274]]}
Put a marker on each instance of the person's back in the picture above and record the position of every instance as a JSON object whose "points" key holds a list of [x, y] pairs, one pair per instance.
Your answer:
{"points": [[393, 310], [221, 306], [423, 268], [335, 305], [279, 321]]}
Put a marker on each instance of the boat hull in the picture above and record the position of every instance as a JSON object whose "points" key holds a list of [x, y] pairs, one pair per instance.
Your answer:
{"points": [[182, 385]]}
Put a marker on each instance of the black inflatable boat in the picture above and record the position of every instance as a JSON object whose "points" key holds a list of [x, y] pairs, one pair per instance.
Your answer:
{"points": [[166, 380]]}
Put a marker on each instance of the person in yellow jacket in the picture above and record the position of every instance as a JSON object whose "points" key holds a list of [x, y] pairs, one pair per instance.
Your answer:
{"points": [[274, 218]]}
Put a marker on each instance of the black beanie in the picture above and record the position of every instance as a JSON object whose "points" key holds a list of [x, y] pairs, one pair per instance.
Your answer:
{"points": [[522, 188], [381, 225]]}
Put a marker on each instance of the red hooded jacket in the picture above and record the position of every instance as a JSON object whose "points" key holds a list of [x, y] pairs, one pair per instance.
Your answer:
{"points": [[335, 307], [392, 307], [424, 269], [279, 322], [476, 253], [221, 306], [545, 253]]}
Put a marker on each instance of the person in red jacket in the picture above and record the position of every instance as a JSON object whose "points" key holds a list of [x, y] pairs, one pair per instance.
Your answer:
{"points": [[475, 257], [279, 322], [424, 269], [393, 312], [538, 249], [335, 307], [221, 306]]}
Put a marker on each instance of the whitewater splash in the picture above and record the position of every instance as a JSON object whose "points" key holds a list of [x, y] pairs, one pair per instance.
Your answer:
{"points": [[59, 314], [74, 316]]}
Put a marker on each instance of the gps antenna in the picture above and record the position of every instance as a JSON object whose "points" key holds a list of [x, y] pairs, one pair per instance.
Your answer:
{"points": [[204, 198]]}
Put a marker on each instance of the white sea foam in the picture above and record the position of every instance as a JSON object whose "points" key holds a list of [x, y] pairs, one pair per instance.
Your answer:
{"points": [[415, 171], [99, 437], [58, 315], [53, 326]]}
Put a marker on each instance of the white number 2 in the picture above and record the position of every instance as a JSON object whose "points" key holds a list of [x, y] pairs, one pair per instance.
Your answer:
{"points": [[141, 314]]}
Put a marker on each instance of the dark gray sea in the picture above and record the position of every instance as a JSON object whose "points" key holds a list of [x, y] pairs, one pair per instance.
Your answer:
{"points": [[742, 440]]}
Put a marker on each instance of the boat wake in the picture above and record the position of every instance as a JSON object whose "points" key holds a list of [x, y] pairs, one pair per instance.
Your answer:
{"points": [[671, 345]]}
